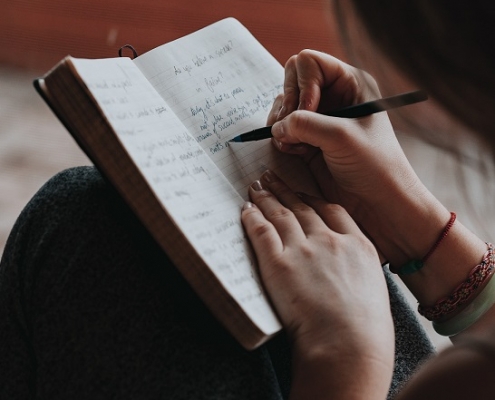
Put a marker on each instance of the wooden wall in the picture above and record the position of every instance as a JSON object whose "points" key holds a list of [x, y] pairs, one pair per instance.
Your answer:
{"points": [[36, 34]]}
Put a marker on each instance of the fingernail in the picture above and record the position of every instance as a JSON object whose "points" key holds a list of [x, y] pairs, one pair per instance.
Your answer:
{"points": [[247, 205], [281, 112], [299, 149], [256, 185], [268, 176], [278, 129], [277, 143]]}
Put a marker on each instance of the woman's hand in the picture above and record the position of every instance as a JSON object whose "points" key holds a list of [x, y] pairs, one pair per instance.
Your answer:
{"points": [[326, 283], [358, 163]]}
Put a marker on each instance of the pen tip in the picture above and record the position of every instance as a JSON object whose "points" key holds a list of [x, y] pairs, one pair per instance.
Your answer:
{"points": [[237, 139]]}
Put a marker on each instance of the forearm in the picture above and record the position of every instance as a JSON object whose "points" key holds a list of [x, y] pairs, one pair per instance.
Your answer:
{"points": [[414, 222], [407, 227]]}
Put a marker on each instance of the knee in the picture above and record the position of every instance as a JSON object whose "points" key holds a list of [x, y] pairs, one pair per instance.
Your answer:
{"points": [[72, 185], [71, 194]]}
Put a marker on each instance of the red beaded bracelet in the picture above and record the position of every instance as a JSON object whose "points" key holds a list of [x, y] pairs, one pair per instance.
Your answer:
{"points": [[466, 291], [415, 265], [441, 237]]}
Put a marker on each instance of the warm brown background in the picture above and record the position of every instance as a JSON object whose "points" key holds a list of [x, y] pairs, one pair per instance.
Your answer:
{"points": [[38, 33]]}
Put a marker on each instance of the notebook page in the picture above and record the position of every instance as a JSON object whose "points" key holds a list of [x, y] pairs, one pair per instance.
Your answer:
{"points": [[220, 81], [198, 197]]}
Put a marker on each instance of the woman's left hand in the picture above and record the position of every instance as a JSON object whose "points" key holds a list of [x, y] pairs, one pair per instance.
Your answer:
{"points": [[324, 278]]}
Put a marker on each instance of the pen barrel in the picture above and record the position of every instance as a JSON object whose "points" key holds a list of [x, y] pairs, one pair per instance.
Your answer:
{"points": [[354, 111], [257, 134], [375, 106]]}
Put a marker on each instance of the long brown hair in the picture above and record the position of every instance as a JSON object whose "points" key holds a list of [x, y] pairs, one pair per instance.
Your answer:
{"points": [[446, 46]]}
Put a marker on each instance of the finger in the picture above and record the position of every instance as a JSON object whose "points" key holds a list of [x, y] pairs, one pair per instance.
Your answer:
{"points": [[261, 233], [334, 215], [308, 73], [281, 217], [310, 80], [326, 133], [320, 74], [274, 112], [291, 89], [308, 219], [301, 149]]}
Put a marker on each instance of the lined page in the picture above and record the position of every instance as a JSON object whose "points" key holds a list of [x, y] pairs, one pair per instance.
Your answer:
{"points": [[221, 82], [187, 182]]}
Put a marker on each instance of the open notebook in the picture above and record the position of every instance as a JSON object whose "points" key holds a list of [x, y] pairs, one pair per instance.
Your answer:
{"points": [[158, 128]]}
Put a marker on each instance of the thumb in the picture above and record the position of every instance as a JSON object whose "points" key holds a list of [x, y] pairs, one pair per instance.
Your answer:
{"points": [[315, 129]]}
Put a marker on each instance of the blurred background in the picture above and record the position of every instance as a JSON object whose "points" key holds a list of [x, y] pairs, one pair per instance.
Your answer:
{"points": [[36, 34]]}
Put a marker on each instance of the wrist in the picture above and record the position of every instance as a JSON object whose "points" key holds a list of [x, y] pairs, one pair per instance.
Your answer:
{"points": [[405, 223], [448, 266]]}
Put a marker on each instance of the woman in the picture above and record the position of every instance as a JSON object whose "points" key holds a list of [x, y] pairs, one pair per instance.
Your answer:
{"points": [[360, 167], [91, 308]]}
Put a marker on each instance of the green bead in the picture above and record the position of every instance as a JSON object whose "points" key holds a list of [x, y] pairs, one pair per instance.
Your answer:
{"points": [[410, 267]]}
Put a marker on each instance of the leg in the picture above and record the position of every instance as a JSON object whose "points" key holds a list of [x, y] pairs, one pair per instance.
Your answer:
{"points": [[412, 345], [91, 306]]}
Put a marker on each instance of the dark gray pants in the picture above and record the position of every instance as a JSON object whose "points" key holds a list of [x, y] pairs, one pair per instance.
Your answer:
{"points": [[91, 308]]}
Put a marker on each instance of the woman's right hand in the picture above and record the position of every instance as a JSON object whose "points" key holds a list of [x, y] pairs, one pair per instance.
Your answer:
{"points": [[358, 163]]}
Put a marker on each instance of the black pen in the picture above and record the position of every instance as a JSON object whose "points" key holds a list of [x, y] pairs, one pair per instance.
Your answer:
{"points": [[355, 111]]}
